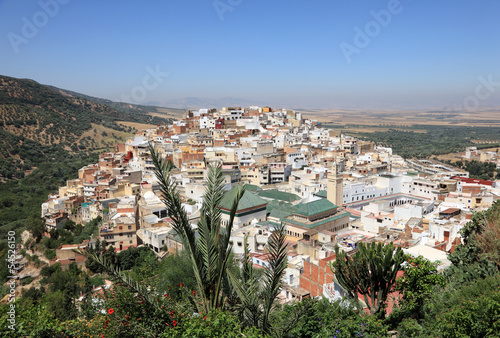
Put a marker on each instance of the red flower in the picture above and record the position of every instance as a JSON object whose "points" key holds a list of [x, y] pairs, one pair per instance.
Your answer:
{"points": [[181, 285], [165, 296], [127, 317], [194, 293], [174, 323], [111, 311], [204, 317], [172, 313]]}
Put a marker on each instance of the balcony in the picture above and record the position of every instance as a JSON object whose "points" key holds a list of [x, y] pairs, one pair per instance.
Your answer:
{"points": [[329, 291]]}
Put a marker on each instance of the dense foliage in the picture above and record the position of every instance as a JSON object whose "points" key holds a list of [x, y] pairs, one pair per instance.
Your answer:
{"points": [[477, 169], [20, 200]]}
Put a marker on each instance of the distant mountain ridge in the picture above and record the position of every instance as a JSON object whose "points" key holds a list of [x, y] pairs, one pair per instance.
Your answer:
{"points": [[122, 106], [198, 102]]}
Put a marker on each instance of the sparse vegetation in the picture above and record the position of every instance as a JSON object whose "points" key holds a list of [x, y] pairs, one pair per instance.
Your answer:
{"points": [[424, 141]]}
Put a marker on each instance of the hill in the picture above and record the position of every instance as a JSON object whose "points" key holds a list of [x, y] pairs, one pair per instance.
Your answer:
{"points": [[128, 108], [42, 123]]}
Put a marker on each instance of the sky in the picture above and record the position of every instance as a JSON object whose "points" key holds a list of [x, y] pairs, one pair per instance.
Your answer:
{"points": [[351, 54]]}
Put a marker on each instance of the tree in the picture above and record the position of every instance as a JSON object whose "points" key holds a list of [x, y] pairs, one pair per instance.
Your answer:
{"points": [[211, 251], [258, 299], [54, 234], [417, 284], [371, 272], [36, 226], [471, 260], [488, 239], [108, 255]]}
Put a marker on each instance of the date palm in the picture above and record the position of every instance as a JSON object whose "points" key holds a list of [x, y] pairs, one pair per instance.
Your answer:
{"points": [[211, 250], [257, 298]]}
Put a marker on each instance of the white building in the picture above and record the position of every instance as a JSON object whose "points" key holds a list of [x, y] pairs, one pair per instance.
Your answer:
{"points": [[297, 160], [155, 237]]}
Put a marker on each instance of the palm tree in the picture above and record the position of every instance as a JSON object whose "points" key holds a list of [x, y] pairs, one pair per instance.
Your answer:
{"points": [[258, 299], [210, 252]]}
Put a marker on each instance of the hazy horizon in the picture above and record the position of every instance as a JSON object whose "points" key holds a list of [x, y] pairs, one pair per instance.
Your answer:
{"points": [[366, 55]]}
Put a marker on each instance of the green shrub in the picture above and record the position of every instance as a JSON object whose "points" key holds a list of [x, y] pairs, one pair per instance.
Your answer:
{"points": [[26, 281], [50, 254]]}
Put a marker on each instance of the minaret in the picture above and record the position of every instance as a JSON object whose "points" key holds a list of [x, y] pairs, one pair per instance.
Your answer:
{"points": [[334, 189]]}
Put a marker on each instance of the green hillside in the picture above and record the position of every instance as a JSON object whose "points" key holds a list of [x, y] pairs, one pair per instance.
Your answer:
{"points": [[41, 123]]}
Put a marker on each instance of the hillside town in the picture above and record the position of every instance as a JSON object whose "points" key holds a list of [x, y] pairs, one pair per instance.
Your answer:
{"points": [[329, 189]]}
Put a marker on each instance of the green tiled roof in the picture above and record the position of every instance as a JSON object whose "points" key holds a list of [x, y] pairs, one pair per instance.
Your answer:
{"points": [[278, 195], [278, 213], [313, 208], [251, 187], [248, 200], [279, 209], [277, 204], [318, 223], [269, 224], [321, 193]]}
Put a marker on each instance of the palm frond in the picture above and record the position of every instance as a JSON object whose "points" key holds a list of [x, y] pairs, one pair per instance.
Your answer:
{"points": [[146, 294], [175, 210], [278, 259], [209, 252], [257, 300]]}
